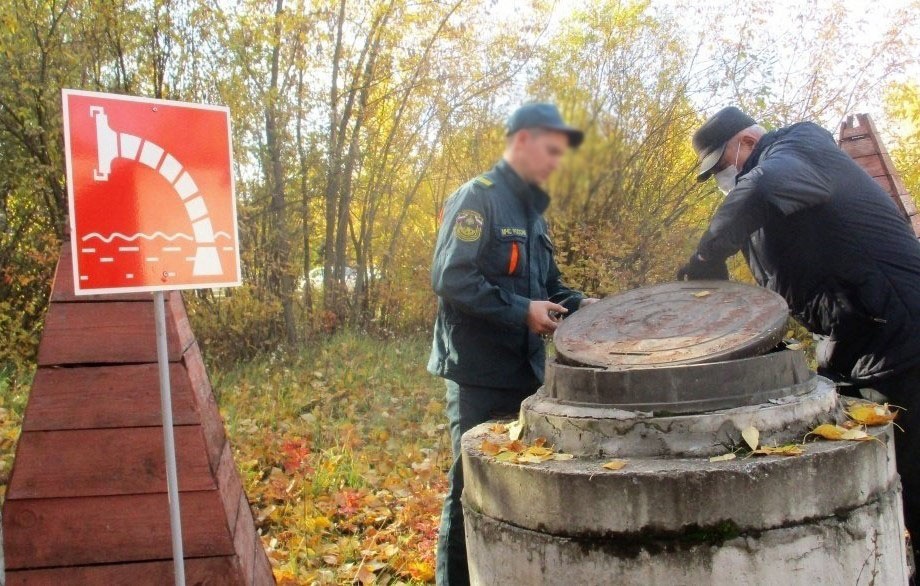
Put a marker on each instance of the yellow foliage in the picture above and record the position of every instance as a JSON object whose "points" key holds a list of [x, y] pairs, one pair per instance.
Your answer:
{"points": [[751, 437], [499, 428], [614, 465], [488, 448], [787, 450], [517, 452], [871, 414], [830, 431], [421, 571]]}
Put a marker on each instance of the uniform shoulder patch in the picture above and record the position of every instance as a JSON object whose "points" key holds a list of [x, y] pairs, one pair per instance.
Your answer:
{"points": [[468, 226], [483, 180]]}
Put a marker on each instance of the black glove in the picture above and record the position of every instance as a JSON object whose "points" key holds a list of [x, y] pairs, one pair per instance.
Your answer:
{"points": [[698, 269]]}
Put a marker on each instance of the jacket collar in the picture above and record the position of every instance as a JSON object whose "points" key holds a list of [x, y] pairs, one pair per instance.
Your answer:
{"points": [[765, 141], [533, 195]]}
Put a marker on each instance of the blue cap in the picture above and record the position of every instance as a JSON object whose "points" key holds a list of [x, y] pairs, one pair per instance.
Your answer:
{"points": [[536, 115]]}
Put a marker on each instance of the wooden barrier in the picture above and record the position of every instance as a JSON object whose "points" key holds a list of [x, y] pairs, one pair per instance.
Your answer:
{"points": [[859, 138], [87, 502]]}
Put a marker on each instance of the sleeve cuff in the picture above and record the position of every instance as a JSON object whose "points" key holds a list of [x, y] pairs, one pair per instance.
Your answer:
{"points": [[573, 303], [519, 308]]}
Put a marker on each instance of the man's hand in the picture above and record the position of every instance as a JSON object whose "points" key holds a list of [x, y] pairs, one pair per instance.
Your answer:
{"points": [[539, 321], [587, 301], [698, 269]]}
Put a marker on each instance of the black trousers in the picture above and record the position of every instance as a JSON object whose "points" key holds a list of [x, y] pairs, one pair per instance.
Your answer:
{"points": [[467, 407], [903, 390]]}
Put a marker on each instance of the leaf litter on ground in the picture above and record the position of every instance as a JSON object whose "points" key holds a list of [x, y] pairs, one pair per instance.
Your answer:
{"points": [[342, 451]]}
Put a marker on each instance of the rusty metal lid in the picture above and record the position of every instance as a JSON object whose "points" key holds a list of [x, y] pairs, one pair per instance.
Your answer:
{"points": [[674, 323]]}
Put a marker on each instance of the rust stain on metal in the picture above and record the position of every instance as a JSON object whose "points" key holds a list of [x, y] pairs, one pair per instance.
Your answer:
{"points": [[674, 324]]}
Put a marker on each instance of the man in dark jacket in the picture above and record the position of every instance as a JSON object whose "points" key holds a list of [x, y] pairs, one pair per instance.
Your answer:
{"points": [[494, 275], [817, 229]]}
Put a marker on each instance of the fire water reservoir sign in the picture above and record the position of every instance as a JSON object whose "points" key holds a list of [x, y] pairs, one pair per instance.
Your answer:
{"points": [[152, 203]]}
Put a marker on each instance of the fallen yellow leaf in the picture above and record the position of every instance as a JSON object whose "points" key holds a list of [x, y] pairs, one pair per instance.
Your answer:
{"points": [[421, 571], [516, 446], [855, 434], [528, 458], [871, 414], [835, 432], [488, 448], [723, 457], [751, 437], [701, 294], [506, 457], [538, 451], [828, 431], [562, 456], [365, 575], [390, 550], [787, 450], [614, 464], [499, 428]]}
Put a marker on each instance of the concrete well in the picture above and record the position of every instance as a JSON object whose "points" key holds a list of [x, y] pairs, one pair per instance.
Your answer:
{"points": [[671, 516]]}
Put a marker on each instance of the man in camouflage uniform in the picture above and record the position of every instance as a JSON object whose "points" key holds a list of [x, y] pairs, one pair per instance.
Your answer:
{"points": [[499, 291]]}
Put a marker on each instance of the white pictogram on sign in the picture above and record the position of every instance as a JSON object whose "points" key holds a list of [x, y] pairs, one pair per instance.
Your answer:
{"points": [[111, 145]]}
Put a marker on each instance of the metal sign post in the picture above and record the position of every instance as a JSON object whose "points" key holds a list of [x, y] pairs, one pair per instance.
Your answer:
{"points": [[169, 443]]}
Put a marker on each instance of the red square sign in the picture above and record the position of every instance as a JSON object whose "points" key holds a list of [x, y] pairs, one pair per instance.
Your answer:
{"points": [[152, 203]]}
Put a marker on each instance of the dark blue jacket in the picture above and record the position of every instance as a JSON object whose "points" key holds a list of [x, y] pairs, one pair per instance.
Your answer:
{"points": [[492, 257], [818, 230]]}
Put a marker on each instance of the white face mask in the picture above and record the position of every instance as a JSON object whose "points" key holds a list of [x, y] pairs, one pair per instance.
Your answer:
{"points": [[726, 178]]}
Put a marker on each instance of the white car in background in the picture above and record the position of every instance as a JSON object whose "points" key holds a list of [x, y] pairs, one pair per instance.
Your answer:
{"points": [[351, 277]]}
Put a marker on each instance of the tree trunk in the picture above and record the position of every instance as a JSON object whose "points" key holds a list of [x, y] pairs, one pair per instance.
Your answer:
{"points": [[281, 248]]}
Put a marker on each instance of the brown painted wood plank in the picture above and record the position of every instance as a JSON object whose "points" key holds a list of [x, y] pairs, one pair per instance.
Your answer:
{"points": [[254, 562], [107, 332], [97, 530], [859, 147], [885, 182], [262, 574], [908, 203], [211, 421], [106, 397], [872, 164], [888, 176], [229, 485], [244, 538], [853, 126], [175, 311], [915, 223], [63, 288], [212, 571], [101, 462]]}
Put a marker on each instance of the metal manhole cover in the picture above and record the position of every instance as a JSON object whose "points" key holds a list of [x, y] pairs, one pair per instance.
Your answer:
{"points": [[674, 323]]}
